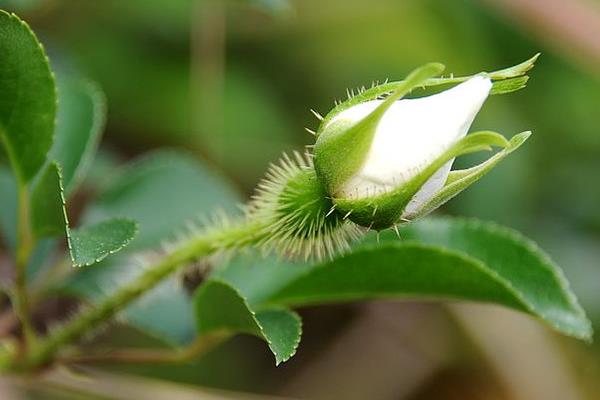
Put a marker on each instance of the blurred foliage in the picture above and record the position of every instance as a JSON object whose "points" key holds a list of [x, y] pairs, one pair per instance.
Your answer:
{"points": [[279, 59]]}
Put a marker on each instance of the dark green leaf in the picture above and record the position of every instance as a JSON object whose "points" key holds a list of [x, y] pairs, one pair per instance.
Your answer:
{"points": [[80, 119], [220, 307], [517, 261], [48, 217], [27, 97], [8, 207], [438, 259], [91, 244]]}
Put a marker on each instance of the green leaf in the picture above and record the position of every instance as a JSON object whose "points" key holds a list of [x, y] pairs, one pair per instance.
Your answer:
{"points": [[87, 245], [80, 120], [220, 307], [162, 192], [91, 244], [517, 261], [8, 207], [444, 259], [48, 215], [27, 98]]}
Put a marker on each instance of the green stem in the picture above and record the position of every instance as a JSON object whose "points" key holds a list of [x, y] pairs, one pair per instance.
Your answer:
{"points": [[199, 347], [25, 244], [44, 351]]}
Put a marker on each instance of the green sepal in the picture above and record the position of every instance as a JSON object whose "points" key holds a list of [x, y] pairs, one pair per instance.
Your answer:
{"points": [[459, 180], [342, 146], [504, 81], [385, 210]]}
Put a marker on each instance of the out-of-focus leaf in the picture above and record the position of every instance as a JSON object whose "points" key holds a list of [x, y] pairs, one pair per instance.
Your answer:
{"points": [[256, 127], [162, 192], [27, 97], [220, 307], [20, 5], [80, 119], [276, 8], [91, 244], [165, 312]]}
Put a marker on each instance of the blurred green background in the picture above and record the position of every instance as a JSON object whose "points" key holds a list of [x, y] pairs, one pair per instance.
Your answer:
{"points": [[232, 82]]}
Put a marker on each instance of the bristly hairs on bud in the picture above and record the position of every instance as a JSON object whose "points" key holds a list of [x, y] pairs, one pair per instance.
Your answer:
{"points": [[300, 219]]}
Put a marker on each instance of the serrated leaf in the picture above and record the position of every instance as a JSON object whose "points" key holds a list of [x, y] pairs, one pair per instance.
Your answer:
{"points": [[437, 259], [48, 217], [88, 244], [517, 261], [220, 307], [91, 244], [80, 120], [27, 97]]}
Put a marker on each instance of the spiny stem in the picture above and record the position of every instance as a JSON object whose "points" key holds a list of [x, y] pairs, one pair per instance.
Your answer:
{"points": [[25, 244], [44, 351]]}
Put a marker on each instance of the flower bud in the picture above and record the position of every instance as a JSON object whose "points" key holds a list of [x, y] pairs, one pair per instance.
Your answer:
{"points": [[384, 161], [378, 162]]}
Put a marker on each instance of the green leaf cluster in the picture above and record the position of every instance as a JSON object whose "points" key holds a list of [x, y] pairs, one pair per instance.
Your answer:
{"points": [[50, 136]]}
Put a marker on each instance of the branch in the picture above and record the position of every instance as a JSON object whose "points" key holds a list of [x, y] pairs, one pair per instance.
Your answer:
{"points": [[200, 346], [25, 244], [205, 245]]}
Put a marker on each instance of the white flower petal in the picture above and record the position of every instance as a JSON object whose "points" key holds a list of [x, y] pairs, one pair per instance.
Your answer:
{"points": [[410, 135]]}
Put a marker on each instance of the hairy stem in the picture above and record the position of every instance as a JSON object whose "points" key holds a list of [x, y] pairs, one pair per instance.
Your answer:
{"points": [[44, 351], [25, 244]]}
